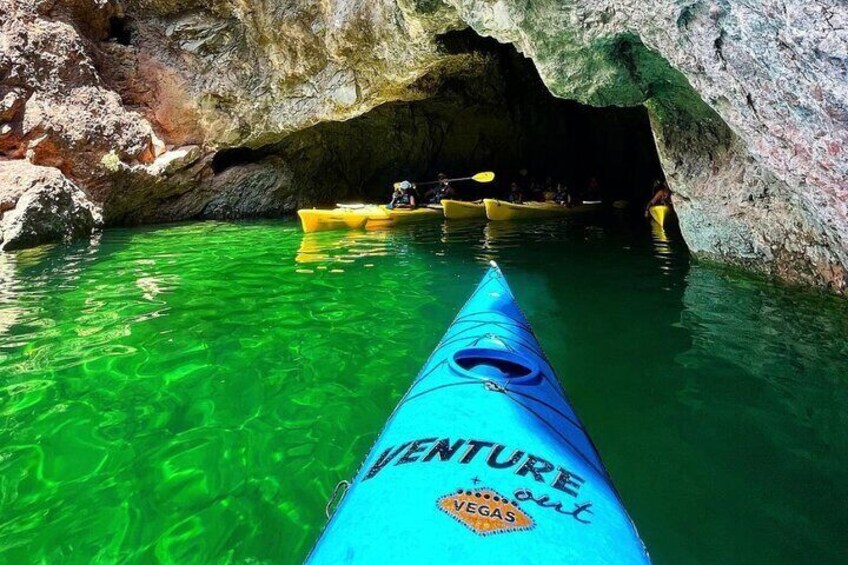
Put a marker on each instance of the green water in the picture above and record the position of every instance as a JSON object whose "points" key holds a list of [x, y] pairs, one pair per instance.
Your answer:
{"points": [[192, 393]]}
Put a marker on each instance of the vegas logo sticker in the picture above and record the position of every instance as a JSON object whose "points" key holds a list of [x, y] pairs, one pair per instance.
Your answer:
{"points": [[484, 511]]}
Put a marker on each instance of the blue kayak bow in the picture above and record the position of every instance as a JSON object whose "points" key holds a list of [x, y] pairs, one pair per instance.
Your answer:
{"points": [[483, 460]]}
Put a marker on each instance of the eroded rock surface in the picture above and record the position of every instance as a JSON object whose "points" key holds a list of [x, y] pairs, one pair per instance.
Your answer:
{"points": [[40, 205], [748, 101], [56, 110], [749, 104], [246, 73]]}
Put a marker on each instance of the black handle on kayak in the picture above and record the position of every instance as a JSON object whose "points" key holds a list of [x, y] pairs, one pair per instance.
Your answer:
{"points": [[327, 509]]}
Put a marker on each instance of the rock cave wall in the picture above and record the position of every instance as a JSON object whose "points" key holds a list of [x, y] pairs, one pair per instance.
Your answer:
{"points": [[131, 101], [749, 104], [495, 114]]}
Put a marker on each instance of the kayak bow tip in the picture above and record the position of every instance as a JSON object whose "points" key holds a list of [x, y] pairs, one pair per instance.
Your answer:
{"points": [[494, 269]]}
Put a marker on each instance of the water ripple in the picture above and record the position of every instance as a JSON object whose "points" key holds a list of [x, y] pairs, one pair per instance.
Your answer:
{"points": [[193, 392]]}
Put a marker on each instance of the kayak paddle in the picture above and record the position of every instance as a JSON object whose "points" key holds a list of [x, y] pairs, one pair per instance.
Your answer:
{"points": [[486, 176]]}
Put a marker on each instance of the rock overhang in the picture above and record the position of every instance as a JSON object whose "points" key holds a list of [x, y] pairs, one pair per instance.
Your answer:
{"points": [[747, 102]]}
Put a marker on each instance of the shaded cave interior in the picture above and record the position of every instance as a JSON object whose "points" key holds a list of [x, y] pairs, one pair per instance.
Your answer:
{"points": [[496, 114]]}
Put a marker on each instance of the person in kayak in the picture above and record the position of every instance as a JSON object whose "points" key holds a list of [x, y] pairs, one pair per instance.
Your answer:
{"points": [[562, 196], [536, 193], [549, 190], [404, 196], [662, 196], [523, 181], [593, 191], [443, 191], [515, 194]]}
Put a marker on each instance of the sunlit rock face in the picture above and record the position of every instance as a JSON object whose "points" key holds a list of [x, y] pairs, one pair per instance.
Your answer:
{"points": [[748, 101], [54, 108], [230, 73], [749, 104], [102, 89], [39, 205]]}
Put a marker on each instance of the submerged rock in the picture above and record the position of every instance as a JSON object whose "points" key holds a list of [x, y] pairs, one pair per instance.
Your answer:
{"points": [[40, 205]]}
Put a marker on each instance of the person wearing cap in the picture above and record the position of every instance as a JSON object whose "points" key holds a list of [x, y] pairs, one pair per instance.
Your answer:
{"points": [[404, 196]]}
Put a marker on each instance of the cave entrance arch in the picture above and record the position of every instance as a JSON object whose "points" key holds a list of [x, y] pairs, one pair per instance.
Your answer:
{"points": [[494, 114]]}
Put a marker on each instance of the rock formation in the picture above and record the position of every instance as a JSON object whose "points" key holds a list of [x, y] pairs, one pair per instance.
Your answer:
{"points": [[749, 104], [132, 101], [39, 205]]}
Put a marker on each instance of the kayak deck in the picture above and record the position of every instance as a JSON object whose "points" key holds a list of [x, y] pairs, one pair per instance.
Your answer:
{"points": [[483, 460], [461, 210], [399, 216], [313, 220], [659, 213], [499, 210]]}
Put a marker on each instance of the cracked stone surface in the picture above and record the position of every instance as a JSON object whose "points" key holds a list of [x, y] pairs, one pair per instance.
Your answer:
{"points": [[40, 205], [749, 104]]}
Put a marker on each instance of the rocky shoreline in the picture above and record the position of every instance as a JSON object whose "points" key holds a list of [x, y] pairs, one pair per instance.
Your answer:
{"points": [[114, 113]]}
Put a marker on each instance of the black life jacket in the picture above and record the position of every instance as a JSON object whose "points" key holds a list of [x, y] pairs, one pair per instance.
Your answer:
{"points": [[442, 192], [403, 199]]}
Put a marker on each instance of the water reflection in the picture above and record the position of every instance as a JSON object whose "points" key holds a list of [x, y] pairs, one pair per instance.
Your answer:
{"points": [[777, 334], [335, 248], [10, 311], [462, 232], [24, 273], [506, 235], [765, 384], [174, 385], [663, 250], [660, 237]]}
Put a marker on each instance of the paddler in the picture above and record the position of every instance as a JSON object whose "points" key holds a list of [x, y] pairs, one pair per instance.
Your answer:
{"points": [[593, 191], [443, 190], [535, 192], [515, 194], [404, 196], [662, 196], [561, 195], [549, 191]]}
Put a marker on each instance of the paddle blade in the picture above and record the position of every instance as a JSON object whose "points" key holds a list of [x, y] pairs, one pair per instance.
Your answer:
{"points": [[487, 176]]}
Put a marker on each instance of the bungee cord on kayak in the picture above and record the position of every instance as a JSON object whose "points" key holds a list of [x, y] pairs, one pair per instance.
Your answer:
{"points": [[504, 342], [503, 389]]}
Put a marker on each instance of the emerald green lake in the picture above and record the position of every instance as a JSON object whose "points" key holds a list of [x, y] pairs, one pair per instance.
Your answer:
{"points": [[193, 393]]}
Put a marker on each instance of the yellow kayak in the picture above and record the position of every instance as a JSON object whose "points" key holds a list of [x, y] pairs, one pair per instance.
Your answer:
{"points": [[459, 210], [396, 216], [338, 218], [497, 210], [658, 213]]}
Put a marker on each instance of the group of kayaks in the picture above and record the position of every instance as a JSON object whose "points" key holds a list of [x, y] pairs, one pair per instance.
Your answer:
{"points": [[360, 216]]}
